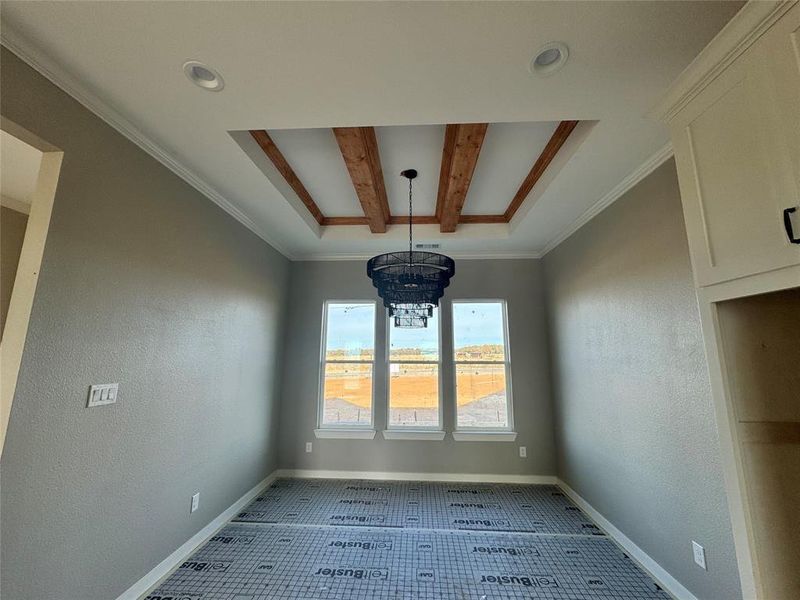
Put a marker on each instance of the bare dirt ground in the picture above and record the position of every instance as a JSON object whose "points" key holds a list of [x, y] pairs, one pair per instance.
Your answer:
{"points": [[413, 398]]}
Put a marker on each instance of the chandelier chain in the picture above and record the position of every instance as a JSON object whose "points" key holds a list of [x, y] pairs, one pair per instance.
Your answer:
{"points": [[410, 213]]}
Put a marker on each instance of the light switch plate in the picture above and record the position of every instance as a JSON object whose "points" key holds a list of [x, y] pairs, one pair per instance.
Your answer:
{"points": [[195, 502], [101, 394], [699, 554]]}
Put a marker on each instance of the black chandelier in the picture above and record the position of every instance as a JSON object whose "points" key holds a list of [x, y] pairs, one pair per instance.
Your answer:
{"points": [[410, 283]]}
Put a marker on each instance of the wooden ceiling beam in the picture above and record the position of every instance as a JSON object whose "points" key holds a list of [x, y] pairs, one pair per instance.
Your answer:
{"points": [[482, 219], [418, 220], [450, 132], [462, 145], [359, 147], [271, 150], [552, 147]]}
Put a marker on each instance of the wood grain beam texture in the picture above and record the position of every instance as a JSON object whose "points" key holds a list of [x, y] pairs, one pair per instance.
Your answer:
{"points": [[462, 145], [271, 150], [359, 147], [417, 220], [554, 144]]}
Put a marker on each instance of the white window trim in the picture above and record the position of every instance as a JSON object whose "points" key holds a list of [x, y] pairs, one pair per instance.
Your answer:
{"points": [[349, 427], [485, 436], [393, 429], [418, 434], [339, 433], [476, 431]]}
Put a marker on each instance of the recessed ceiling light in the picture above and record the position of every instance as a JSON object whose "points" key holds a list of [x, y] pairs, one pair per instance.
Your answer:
{"points": [[203, 76], [550, 58]]}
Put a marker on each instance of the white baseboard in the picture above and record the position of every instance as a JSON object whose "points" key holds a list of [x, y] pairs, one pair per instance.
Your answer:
{"points": [[166, 566], [664, 579], [400, 476]]}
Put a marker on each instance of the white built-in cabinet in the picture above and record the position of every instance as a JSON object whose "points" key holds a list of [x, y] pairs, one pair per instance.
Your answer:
{"points": [[734, 118], [737, 149]]}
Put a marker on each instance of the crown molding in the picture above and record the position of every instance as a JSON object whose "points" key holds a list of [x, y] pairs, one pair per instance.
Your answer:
{"points": [[456, 255], [61, 78], [746, 26], [642, 171]]}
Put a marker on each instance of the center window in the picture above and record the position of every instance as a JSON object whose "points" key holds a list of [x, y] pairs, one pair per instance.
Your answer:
{"points": [[414, 389]]}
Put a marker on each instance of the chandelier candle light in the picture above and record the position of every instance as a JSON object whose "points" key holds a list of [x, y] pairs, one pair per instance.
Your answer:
{"points": [[410, 283]]}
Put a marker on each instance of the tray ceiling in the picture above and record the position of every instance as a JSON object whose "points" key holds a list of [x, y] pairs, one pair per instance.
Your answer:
{"points": [[407, 68]]}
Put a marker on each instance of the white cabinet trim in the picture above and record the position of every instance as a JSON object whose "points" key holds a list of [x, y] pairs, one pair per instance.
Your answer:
{"points": [[736, 37]]}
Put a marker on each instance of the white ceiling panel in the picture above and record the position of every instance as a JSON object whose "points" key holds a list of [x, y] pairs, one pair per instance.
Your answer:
{"points": [[411, 147], [315, 158], [508, 153]]}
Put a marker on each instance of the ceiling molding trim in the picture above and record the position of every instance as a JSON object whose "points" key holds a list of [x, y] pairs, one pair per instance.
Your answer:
{"points": [[456, 255], [647, 167], [61, 78], [738, 35]]}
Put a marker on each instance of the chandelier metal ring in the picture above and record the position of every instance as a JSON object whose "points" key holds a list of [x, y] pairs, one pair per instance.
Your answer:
{"points": [[411, 283]]}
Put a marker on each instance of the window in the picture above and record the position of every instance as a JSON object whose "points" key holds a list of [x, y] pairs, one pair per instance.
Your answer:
{"points": [[348, 360], [482, 365], [414, 376]]}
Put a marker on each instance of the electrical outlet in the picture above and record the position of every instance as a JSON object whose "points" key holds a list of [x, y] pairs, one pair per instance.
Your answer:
{"points": [[308, 447], [195, 502], [699, 554], [100, 394], [523, 452]]}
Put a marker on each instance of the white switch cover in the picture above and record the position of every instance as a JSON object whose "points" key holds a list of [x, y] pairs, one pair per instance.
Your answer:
{"points": [[308, 446], [195, 502], [699, 554], [523, 452], [105, 393]]}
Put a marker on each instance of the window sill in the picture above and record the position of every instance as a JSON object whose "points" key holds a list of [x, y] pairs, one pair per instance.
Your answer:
{"points": [[413, 435], [345, 434], [484, 436]]}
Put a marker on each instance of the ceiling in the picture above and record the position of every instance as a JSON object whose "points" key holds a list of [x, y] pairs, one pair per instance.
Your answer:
{"points": [[19, 165], [351, 175], [296, 69]]}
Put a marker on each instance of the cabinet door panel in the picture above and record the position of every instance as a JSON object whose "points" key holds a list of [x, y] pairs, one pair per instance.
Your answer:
{"points": [[737, 148]]}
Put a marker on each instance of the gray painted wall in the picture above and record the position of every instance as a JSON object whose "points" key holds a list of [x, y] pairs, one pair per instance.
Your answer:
{"points": [[516, 281], [635, 428], [144, 282], [12, 234]]}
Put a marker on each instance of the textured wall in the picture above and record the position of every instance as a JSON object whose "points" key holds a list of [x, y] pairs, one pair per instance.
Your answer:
{"points": [[144, 282], [12, 233], [635, 428], [516, 281]]}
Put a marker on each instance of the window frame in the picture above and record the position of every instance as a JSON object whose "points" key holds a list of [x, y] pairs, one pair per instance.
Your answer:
{"points": [[507, 364], [413, 428], [323, 362]]}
